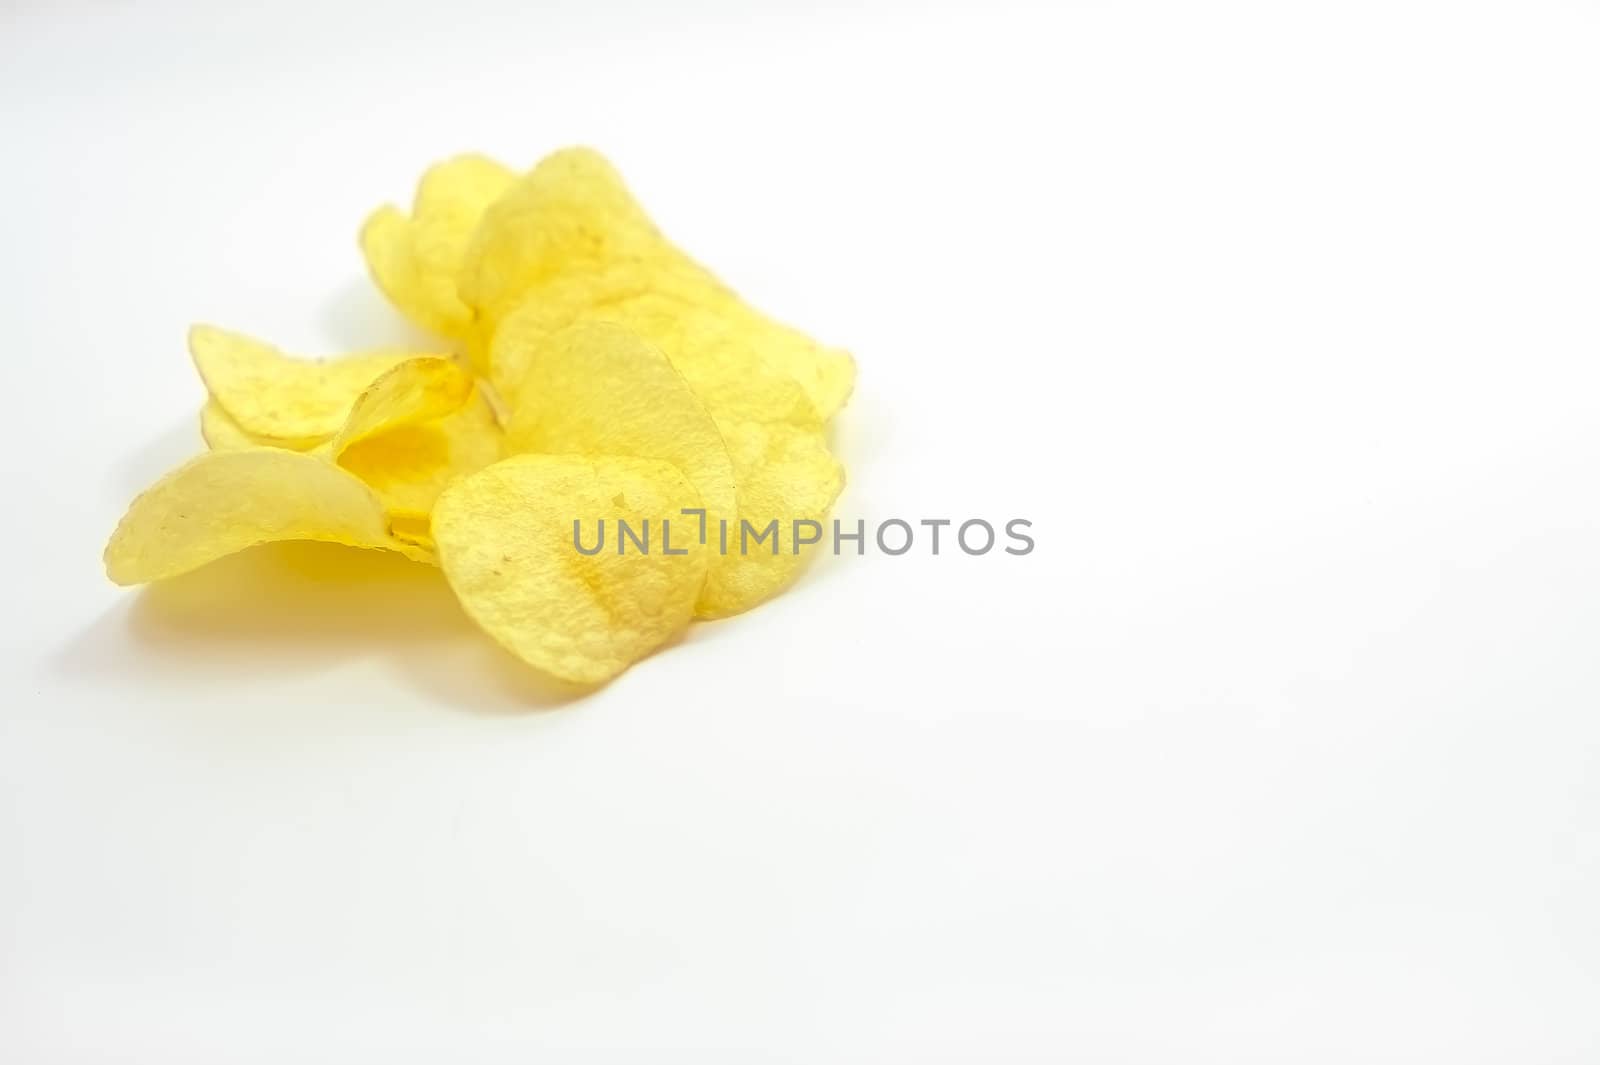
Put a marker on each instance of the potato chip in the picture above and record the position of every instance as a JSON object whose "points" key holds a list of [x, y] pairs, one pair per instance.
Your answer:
{"points": [[417, 390], [570, 237], [508, 546], [717, 362], [751, 341], [600, 390], [786, 475], [278, 399], [226, 501], [828, 375], [415, 259], [222, 433], [415, 530], [408, 466], [569, 214]]}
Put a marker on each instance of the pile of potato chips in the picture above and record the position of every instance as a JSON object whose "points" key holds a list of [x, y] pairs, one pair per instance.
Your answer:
{"points": [[589, 372]]}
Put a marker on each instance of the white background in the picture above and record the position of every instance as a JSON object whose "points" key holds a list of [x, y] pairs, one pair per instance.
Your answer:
{"points": [[1281, 323]]}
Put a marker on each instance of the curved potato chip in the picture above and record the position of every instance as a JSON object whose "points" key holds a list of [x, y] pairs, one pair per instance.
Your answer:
{"points": [[226, 501], [569, 236], [570, 213], [786, 476], [410, 465], [415, 259], [599, 390], [221, 432], [415, 391], [730, 379], [414, 530], [507, 543], [754, 341], [279, 399], [828, 375]]}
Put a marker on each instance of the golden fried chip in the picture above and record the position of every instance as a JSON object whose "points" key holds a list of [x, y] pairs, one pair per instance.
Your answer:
{"points": [[828, 375], [417, 390], [600, 390], [226, 501], [508, 545], [279, 399], [415, 259], [221, 432], [570, 214], [718, 363], [414, 530], [786, 476], [410, 465], [570, 238]]}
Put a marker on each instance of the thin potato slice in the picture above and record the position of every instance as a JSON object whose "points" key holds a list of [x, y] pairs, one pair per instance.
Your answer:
{"points": [[785, 474], [226, 501], [828, 375], [279, 399], [570, 237], [728, 375], [415, 259], [415, 391], [410, 465], [506, 543], [600, 390], [222, 433], [570, 214]]}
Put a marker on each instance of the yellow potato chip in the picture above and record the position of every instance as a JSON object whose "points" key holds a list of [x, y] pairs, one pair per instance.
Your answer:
{"points": [[408, 466], [750, 341], [279, 399], [413, 529], [226, 501], [827, 375], [417, 390], [508, 546], [570, 213], [415, 259], [569, 236], [787, 478], [221, 432], [600, 390], [729, 380]]}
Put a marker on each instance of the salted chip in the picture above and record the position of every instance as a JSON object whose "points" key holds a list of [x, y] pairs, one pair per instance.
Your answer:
{"points": [[828, 375], [413, 530], [788, 483], [599, 390], [409, 465], [278, 399], [508, 546], [226, 501], [221, 432], [728, 377], [570, 237], [687, 300], [414, 259], [570, 214], [415, 391]]}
